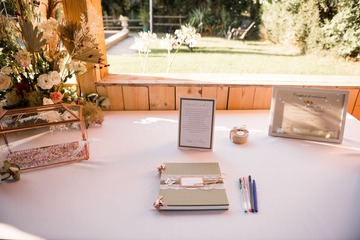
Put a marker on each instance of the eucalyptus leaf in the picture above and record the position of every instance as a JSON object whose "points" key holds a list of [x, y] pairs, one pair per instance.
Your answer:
{"points": [[6, 166], [10, 169], [16, 177], [5, 176], [14, 169]]}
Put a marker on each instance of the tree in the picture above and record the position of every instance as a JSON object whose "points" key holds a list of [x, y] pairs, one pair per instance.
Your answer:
{"points": [[116, 7]]}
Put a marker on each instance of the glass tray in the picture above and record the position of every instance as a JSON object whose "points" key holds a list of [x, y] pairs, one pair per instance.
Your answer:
{"points": [[43, 136]]}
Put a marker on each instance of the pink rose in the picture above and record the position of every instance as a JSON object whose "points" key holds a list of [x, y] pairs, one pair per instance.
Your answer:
{"points": [[56, 97]]}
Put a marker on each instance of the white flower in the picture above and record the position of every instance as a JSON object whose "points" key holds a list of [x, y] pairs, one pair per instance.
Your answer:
{"points": [[77, 67], [50, 116], [54, 77], [143, 44], [187, 35], [44, 82], [122, 18], [47, 81], [48, 27], [6, 70], [53, 116], [191, 42], [168, 42], [47, 101], [5, 81], [67, 116]]}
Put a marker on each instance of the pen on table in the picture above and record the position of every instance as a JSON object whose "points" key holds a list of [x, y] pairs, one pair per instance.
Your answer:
{"points": [[245, 186], [255, 197], [243, 195], [251, 195]]}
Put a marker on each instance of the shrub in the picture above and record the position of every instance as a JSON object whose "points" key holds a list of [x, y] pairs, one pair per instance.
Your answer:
{"points": [[202, 19], [292, 22], [333, 26], [342, 33], [223, 23]]}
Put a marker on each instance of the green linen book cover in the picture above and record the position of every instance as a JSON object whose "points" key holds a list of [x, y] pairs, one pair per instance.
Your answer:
{"points": [[192, 186]]}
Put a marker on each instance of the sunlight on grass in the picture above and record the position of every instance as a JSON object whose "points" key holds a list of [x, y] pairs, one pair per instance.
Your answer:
{"points": [[219, 55]]}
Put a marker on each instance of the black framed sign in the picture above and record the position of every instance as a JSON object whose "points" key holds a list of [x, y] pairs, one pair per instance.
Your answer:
{"points": [[308, 113], [196, 123]]}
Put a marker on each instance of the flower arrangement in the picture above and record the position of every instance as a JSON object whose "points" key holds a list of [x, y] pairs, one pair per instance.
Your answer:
{"points": [[143, 45], [41, 52], [186, 35]]}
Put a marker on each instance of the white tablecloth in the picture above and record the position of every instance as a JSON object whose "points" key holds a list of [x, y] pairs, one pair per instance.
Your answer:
{"points": [[306, 190]]}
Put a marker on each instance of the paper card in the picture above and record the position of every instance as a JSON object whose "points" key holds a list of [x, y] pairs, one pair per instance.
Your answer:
{"points": [[191, 182], [196, 123], [307, 113]]}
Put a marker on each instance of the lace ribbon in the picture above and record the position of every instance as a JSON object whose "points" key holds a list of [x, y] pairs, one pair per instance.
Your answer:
{"points": [[212, 181]]}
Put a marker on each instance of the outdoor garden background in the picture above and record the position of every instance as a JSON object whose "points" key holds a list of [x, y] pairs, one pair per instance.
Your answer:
{"points": [[319, 37]]}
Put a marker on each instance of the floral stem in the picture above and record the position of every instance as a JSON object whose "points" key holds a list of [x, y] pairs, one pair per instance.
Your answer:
{"points": [[142, 61], [172, 59], [169, 61]]}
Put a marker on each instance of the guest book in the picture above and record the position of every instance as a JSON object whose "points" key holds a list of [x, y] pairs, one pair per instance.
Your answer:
{"points": [[191, 186]]}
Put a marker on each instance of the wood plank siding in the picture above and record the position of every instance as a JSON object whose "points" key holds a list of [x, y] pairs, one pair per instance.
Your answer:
{"points": [[232, 92]]}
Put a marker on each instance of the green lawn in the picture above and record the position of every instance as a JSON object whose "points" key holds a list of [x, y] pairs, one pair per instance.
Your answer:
{"points": [[219, 55]]}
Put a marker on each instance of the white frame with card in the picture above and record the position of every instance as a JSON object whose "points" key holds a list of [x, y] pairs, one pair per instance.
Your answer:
{"points": [[196, 123], [308, 113]]}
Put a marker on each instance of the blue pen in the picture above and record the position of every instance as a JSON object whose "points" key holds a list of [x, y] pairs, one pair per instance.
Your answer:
{"points": [[255, 197]]}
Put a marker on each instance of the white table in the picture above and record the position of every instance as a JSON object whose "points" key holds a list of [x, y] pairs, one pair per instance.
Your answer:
{"points": [[306, 190]]}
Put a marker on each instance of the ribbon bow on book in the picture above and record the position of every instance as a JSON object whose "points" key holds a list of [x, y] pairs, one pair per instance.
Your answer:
{"points": [[159, 202], [161, 168]]}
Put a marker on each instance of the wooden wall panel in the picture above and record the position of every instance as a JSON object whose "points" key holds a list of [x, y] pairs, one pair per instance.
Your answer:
{"points": [[186, 92], [166, 97], [136, 98], [234, 98], [162, 98], [115, 94], [262, 99], [220, 93], [241, 97], [356, 109], [353, 94], [102, 91]]}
